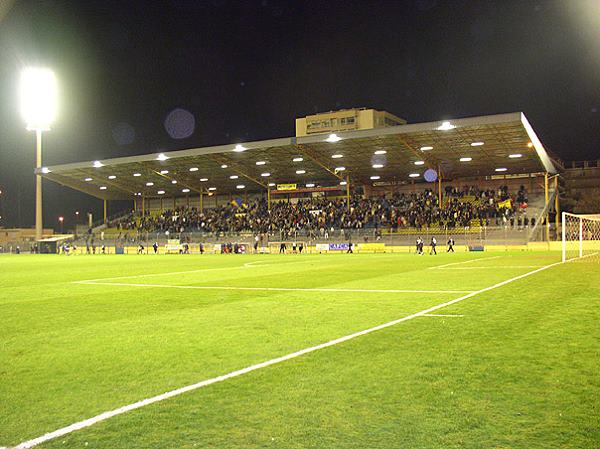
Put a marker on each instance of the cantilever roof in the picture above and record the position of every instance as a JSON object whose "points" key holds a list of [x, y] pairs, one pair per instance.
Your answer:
{"points": [[199, 169]]}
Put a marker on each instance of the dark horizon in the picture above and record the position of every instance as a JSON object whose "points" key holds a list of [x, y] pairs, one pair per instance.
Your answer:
{"points": [[246, 69]]}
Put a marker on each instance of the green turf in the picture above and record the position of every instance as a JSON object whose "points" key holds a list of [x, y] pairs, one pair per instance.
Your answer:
{"points": [[518, 370]]}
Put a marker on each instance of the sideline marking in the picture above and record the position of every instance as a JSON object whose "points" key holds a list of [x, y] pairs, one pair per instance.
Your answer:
{"points": [[463, 262], [161, 397], [450, 316], [277, 289]]}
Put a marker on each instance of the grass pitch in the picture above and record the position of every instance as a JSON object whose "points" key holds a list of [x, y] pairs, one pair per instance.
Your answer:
{"points": [[517, 368]]}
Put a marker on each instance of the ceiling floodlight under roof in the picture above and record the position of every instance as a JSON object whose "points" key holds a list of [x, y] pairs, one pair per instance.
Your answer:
{"points": [[203, 179], [224, 166], [260, 162], [103, 187], [310, 185], [377, 165], [161, 192], [194, 169], [476, 144], [375, 177], [337, 156], [137, 174], [529, 145], [112, 177], [501, 169], [149, 184], [185, 190], [162, 157], [234, 177], [212, 189], [300, 172], [426, 148], [298, 159], [239, 148], [271, 184], [419, 162], [414, 175], [333, 138], [240, 186], [446, 126], [466, 159], [343, 183], [380, 152], [173, 181], [87, 179], [164, 172], [98, 164], [265, 175], [515, 156], [340, 168]]}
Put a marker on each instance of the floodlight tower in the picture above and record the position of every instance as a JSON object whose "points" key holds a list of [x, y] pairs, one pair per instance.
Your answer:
{"points": [[38, 108]]}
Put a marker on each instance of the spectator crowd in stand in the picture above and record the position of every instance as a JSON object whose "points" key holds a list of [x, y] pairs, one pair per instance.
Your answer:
{"points": [[318, 216]]}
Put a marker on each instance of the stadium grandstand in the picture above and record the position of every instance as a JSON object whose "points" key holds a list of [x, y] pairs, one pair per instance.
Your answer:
{"points": [[356, 174]]}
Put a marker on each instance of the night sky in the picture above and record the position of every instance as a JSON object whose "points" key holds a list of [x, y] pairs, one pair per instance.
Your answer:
{"points": [[246, 69]]}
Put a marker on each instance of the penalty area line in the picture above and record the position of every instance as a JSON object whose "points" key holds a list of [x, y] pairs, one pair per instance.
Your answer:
{"points": [[161, 397]]}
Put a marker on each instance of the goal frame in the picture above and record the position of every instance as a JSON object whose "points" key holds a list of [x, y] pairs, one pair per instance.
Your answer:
{"points": [[595, 218]]}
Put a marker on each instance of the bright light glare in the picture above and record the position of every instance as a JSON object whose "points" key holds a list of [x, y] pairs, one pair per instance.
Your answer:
{"points": [[239, 148], [375, 177], [476, 144], [419, 162], [98, 164], [240, 186], [380, 152], [162, 157], [185, 190], [466, 159], [515, 156], [445, 126], [414, 175], [39, 102], [426, 148], [501, 169], [310, 185], [333, 138]]}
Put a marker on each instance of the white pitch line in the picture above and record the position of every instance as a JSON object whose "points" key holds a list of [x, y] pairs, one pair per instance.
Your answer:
{"points": [[276, 289], [439, 315], [161, 397], [463, 262]]}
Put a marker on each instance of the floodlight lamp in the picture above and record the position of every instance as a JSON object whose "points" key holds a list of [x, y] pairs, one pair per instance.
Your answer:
{"points": [[45, 170], [38, 94], [239, 148], [445, 126], [333, 138], [162, 157]]}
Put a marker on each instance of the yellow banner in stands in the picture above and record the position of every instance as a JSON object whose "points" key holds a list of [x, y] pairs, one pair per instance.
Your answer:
{"points": [[506, 203], [286, 186]]}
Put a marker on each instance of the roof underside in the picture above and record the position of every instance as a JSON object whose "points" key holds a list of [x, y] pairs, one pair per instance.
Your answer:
{"points": [[502, 135]]}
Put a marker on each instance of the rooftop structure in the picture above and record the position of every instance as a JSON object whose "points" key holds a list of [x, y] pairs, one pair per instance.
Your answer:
{"points": [[485, 146]]}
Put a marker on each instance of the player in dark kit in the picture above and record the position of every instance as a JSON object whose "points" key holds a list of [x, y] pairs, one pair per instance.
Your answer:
{"points": [[155, 246], [450, 245], [433, 245], [282, 248]]}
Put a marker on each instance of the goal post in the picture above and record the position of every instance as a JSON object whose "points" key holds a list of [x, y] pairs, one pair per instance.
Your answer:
{"points": [[580, 236]]}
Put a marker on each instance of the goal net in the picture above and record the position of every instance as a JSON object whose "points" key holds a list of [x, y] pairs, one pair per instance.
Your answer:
{"points": [[580, 237]]}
